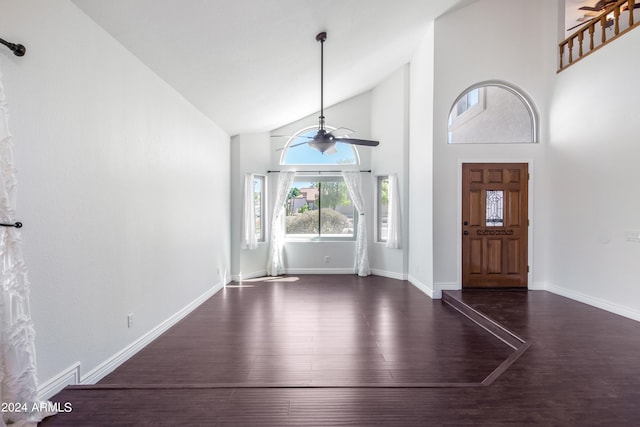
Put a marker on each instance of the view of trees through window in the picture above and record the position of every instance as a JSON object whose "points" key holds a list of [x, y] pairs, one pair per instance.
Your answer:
{"points": [[320, 207]]}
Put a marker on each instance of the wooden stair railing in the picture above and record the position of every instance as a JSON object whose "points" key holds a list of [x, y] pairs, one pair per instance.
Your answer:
{"points": [[608, 25]]}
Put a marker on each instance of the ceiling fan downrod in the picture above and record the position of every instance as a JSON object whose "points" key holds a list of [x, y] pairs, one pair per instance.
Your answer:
{"points": [[321, 37]]}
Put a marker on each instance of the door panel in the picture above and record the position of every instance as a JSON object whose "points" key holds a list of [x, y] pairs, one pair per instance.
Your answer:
{"points": [[513, 208], [513, 266], [476, 213], [476, 256], [494, 256], [494, 224], [495, 176]]}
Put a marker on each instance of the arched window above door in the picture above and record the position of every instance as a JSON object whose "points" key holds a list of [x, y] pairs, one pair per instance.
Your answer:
{"points": [[492, 113]]}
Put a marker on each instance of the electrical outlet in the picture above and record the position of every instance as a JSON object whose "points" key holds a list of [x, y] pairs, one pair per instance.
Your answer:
{"points": [[327, 259], [130, 320]]}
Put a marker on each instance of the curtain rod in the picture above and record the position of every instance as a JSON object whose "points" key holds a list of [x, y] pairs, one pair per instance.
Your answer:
{"points": [[17, 49], [336, 171], [16, 225]]}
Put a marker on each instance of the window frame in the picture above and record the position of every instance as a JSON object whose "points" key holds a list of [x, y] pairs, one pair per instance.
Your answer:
{"points": [[459, 119], [290, 237], [261, 217], [380, 179]]}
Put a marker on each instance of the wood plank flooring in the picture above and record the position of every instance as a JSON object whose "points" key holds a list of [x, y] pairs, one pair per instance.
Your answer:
{"points": [[344, 350]]}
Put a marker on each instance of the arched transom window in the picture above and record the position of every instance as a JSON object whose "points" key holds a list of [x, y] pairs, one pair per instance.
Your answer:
{"points": [[492, 112], [297, 152]]}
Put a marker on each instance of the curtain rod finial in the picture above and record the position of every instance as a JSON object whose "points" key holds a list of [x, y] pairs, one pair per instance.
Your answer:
{"points": [[19, 50], [16, 48]]}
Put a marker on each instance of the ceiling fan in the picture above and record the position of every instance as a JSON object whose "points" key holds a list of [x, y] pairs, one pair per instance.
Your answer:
{"points": [[597, 8], [590, 12], [325, 140]]}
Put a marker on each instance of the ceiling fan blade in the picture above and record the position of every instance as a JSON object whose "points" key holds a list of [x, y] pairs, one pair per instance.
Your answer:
{"points": [[590, 9], [356, 141], [342, 132], [291, 146], [579, 25], [292, 136], [298, 144], [599, 6]]}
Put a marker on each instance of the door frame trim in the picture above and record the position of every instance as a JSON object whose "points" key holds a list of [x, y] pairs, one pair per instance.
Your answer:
{"points": [[530, 203]]}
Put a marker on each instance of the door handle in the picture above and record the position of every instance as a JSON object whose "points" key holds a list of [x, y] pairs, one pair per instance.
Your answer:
{"points": [[466, 233], [465, 223]]}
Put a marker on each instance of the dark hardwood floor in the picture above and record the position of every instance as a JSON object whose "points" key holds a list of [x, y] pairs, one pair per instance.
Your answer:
{"points": [[343, 350]]}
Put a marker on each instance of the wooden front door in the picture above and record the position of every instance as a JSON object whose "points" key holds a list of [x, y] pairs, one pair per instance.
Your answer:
{"points": [[494, 225]]}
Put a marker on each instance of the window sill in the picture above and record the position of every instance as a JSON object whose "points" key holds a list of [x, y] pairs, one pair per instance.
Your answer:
{"points": [[318, 239]]}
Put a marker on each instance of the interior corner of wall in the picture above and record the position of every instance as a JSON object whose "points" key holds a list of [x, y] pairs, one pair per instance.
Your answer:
{"points": [[54, 385], [425, 288], [439, 287]]}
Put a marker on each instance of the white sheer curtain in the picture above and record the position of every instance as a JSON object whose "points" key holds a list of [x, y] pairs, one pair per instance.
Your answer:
{"points": [[18, 383], [275, 262], [394, 222], [248, 239], [354, 186]]}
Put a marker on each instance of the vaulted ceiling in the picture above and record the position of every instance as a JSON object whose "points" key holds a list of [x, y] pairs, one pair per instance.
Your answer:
{"points": [[254, 65]]}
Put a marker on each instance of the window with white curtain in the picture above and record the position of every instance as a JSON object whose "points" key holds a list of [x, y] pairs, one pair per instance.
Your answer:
{"points": [[311, 206], [259, 182], [394, 214], [382, 202]]}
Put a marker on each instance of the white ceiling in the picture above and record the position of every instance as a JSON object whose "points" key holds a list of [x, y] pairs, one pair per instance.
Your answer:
{"points": [[254, 65]]}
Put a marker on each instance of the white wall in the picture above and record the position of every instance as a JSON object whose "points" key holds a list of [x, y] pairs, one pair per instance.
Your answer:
{"points": [[123, 187], [511, 41], [390, 125], [250, 153], [420, 189], [593, 163]]}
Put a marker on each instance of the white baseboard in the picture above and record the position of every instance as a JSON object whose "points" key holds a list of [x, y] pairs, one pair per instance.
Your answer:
{"points": [[596, 302], [70, 376], [426, 289], [376, 272], [319, 271], [389, 274], [537, 286], [245, 276], [123, 355]]}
